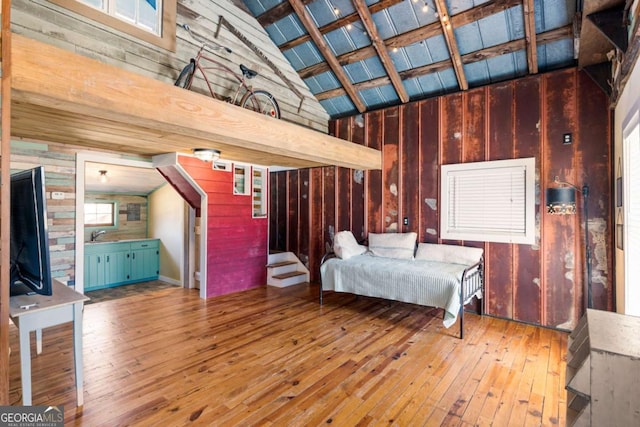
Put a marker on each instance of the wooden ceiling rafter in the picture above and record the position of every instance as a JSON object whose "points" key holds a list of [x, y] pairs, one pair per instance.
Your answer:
{"points": [[452, 43], [278, 12], [379, 46], [338, 23], [326, 52], [414, 36], [471, 57], [530, 35]]}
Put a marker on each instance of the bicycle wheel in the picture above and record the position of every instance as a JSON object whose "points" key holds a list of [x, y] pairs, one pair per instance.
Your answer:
{"points": [[262, 102], [186, 76]]}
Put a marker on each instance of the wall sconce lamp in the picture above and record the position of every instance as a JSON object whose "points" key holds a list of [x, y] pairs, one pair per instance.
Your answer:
{"points": [[206, 154], [562, 201], [103, 176]]}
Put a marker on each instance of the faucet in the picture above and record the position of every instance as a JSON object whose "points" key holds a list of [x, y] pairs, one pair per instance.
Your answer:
{"points": [[96, 233]]}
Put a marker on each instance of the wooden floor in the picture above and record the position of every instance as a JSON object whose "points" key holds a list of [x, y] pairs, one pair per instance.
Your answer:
{"points": [[273, 356]]}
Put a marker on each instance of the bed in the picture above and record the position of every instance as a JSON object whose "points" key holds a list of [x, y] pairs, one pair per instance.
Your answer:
{"points": [[435, 275]]}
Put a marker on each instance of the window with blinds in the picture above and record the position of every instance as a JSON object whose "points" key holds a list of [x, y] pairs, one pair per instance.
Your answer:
{"points": [[489, 201]]}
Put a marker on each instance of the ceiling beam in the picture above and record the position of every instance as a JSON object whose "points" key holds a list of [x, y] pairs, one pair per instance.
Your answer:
{"points": [[452, 43], [338, 23], [413, 36], [379, 46], [611, 23], [471, 57], [530, 35], [278, 12], [326, 52]]}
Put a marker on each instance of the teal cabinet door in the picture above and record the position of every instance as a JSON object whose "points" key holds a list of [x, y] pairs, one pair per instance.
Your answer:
{"points": [[94, 271], [145, 260], [117, 266]]}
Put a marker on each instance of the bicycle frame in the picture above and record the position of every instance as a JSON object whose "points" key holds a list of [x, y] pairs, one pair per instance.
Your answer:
{"points": [[216, 65]]}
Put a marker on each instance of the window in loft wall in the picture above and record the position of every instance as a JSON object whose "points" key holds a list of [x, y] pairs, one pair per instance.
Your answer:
{"points": [[153, 21], [145, 14]]}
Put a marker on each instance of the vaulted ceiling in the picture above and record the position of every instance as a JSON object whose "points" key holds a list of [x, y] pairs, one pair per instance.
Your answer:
{"points": [[358, 55]]}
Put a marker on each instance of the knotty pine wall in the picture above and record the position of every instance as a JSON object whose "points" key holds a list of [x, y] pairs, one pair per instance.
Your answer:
{"points": [[541, 283], [236, 242]]}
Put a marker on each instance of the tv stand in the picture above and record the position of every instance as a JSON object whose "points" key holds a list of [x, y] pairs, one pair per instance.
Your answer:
{"points": [[36, 312]]}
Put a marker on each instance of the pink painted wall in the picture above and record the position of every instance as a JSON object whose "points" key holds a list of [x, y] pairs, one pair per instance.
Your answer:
{"points": [[237, 244]]}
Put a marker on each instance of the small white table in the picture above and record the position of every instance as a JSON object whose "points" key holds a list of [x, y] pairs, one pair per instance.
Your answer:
{"points": [[65, 305]]}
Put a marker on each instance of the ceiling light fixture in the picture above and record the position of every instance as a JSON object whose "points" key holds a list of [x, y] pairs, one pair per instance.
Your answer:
{"points": [[103, 176], [206, 154], [425, 7]]}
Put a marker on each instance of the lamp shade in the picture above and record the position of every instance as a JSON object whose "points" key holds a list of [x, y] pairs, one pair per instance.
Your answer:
{"points": [[561, 200]]}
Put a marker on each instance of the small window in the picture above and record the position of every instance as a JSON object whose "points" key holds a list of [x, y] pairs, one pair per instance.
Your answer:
{"points": [[99, 214], [259, 192], [241, 180], [153, 21], [489, 201]]}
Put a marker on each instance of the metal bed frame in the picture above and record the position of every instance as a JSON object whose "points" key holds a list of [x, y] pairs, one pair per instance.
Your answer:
{"points": [[472, 281]]}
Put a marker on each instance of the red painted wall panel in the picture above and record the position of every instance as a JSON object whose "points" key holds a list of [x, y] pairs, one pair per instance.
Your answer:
{"points": [[540, 283], [237, 244]]}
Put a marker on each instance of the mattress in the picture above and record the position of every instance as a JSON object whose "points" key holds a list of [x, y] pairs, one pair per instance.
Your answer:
{"points": [[428, 283]]}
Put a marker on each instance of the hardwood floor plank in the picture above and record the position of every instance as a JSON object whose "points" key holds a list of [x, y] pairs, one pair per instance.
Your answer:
{"points": [[274, 356]]}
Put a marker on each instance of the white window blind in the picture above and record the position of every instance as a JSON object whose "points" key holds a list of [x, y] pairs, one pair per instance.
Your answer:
{"points": [[489, 201]]}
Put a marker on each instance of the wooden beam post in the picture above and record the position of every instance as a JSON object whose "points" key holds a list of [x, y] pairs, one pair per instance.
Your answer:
{"points": [[5, 195]]}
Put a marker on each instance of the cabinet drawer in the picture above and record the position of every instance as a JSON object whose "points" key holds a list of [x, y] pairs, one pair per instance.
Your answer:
{"points": [[145, 244]]}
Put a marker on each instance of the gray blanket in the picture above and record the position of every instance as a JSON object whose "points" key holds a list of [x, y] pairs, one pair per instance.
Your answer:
{"points": [[428, 283]]}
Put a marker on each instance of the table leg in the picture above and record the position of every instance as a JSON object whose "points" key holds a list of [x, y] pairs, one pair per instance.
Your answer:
{"points": [[25, 365], [77, 351], [38, 341]]}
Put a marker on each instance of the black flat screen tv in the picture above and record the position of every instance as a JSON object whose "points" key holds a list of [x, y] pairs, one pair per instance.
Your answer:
{"points": [[30, 262]]}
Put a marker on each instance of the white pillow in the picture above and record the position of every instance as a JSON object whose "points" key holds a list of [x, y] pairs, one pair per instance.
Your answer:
{"points": [[345, 245], [448, 253], [393, 245]]}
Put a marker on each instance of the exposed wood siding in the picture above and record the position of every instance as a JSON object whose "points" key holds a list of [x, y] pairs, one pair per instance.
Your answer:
{"points": [[541, 283], [47, 22], [124, 229], [236, 242]]}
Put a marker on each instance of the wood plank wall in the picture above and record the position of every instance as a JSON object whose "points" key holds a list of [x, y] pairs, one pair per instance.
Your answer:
{"points": [[236, 242], [541, 283], [125, 229], [45, 21], [59, 162]]}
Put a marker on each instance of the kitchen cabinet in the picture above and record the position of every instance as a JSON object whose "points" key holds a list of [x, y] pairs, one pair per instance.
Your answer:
{"points": [[109, 264]]}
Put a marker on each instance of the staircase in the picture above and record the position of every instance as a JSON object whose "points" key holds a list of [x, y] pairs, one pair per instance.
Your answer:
{"points": [[285, 269]]}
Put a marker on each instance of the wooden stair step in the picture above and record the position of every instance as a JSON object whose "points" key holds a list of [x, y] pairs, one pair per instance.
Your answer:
{"points": [[281, 264], [290, 274]]}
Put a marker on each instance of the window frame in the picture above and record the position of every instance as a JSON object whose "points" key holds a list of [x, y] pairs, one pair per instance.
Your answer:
{"points": [[246, 175], [115, 214], [528, 236], [259, 202], [166, 40]]}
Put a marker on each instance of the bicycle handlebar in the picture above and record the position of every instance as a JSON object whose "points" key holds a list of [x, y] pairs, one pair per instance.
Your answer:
{"points": [[204, 41]]}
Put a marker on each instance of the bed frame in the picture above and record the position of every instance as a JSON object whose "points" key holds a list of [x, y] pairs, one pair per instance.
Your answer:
{"points": [[472, 282]]}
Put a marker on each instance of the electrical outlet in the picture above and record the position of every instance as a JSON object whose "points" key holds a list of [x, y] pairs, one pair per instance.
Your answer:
{"points": [[57, 195], [405, 221], [567, 138]]}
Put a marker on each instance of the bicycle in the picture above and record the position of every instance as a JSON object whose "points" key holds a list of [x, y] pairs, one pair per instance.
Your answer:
{"points": [[256, 100]]}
